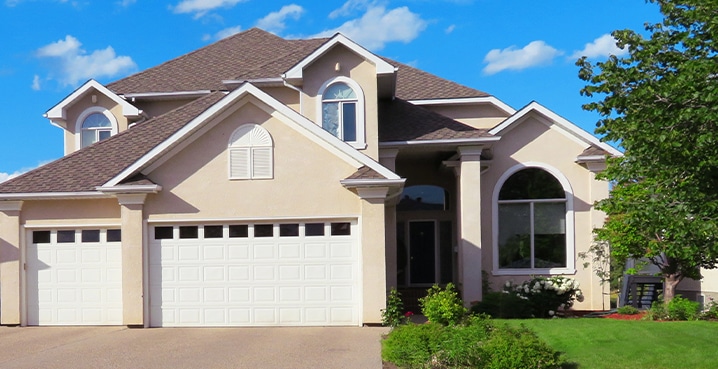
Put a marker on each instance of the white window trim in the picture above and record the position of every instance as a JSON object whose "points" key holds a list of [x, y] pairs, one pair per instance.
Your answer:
{"points": [[570, 224], [360, 142], [249, 128], [85, 114]]}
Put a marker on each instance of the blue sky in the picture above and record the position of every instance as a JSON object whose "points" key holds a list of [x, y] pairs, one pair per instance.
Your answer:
{"points": [[516, 50]]}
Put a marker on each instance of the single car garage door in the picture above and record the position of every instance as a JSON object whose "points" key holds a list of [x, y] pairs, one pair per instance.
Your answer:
{"points": [[268, 274], [74, 277]]}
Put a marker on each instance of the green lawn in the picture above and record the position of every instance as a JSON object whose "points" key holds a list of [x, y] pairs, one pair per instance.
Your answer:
{"points": [[605, 343]]}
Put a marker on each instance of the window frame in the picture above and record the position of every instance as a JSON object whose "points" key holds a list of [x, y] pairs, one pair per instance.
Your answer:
{"points": [[251, 140], [81, 121], [570, 267], [360, 141]]}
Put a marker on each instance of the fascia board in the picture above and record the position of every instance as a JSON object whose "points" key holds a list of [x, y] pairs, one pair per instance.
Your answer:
{"points": [[467, 101], [352, 183], [58, 111], [457, 141], [52, 195], [382, 67], [130, 189], [567, 126]]}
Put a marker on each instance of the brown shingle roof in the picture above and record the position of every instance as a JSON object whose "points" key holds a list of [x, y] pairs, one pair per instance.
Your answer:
{"points": [[255, 54], [94, 165], [403, 121], [247, 55], [595, 151], [366, 173]]}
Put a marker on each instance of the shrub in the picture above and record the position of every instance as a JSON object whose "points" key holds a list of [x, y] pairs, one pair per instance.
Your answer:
{"points": [[547, 295], [711, 310], [627, 310], [393, 315], [503, 305], [677, 309], [477, 343], [443, 306]]}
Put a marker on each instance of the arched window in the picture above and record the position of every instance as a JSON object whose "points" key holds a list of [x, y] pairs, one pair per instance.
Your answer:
{"points": [[342, 110], [95, 124], [534, 226], [251, 153]]}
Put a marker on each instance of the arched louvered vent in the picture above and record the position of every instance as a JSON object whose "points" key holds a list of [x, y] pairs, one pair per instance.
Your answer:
{"points": [[251, 153]]}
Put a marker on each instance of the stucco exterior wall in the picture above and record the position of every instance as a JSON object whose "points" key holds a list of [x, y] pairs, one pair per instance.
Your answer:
{"points": [[533, 141], [196, 181], [58, 213], [351, 66], [79, 106], [286, 96], [475, 115]]}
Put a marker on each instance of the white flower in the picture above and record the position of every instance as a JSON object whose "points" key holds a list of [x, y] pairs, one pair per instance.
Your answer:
{"points": [[507, 284], [551, 312]]}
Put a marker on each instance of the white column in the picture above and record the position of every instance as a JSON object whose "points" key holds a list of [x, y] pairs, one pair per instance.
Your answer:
{"points": [[469, 222]]}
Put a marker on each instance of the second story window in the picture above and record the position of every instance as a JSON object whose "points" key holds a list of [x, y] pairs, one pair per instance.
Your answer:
{"points": [[95, 127], [339, 111]]}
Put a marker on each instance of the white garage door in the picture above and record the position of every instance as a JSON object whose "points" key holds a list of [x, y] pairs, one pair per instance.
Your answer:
{"points": [[74, 277], [255, 275]]}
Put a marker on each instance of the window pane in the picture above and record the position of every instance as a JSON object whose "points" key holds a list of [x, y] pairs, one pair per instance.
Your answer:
{"points": [[65, 236], [90, 235], [41, 237], [104, 134], [213, 231], [95, 120], [88, 138], [188, 232], [423, 197], [549, 235], [330, 118], [446, 251], [339, 91], [263, 230], [114, 235], [341, 229], [349, 121], [514, 236], [531, 183], [314, 229], [239, 231], [288, 230], [163, 233]]}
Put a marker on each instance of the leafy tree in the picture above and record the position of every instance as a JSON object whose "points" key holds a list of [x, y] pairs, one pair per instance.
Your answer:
{"points": [[660, 102]]}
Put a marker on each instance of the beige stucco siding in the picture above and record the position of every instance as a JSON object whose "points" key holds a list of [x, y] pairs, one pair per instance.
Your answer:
{"points": [[82, 104], [285, 95], [482, 116], [533, 141], [71, 212], [306, 179], [351, 66]]}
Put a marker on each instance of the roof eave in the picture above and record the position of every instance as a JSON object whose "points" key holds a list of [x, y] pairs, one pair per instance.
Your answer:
{"points": [[53, 195], [446, 142], [59, 111]]}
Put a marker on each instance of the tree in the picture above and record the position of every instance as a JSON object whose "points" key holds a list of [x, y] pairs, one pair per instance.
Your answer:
{"points": [[660, 103]]}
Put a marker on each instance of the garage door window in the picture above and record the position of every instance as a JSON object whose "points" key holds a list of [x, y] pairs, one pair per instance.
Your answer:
{"points": [[263, 230], [163, 233], [189, 232], [289, 230], [314, 229], [41, 237], [239, 231], [213, 231], [114, 235], [341, 229], [65, 236], [90, 235]]}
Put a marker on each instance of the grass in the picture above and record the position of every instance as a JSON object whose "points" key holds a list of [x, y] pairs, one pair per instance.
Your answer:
{"points": [[590, 343]]}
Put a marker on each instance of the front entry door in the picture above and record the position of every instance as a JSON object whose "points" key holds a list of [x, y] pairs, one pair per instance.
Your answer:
{"points": [[422, 246]]}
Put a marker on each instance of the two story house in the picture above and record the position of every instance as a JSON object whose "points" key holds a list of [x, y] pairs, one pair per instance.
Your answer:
{"points": [[260, 181]]}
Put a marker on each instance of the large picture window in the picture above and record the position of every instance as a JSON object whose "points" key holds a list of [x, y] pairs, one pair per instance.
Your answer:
{"points": [[532, 221]]}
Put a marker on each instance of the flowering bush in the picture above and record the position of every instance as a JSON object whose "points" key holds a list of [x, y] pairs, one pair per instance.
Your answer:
{"points": [[546, 295]]}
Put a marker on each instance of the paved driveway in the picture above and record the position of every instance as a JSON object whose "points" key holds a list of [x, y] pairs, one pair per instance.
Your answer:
{"points": [[118, 347]]}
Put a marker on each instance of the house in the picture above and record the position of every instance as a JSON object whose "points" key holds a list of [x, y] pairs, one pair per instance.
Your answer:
{"points": [[260, 181]]}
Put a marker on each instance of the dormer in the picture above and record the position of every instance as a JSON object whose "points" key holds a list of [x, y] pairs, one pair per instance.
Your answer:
{"points": [[90, 114], [341, 84]]}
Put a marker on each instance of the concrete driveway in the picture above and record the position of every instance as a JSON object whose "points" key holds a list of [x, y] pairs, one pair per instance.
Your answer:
{"points": [[119, 347]]}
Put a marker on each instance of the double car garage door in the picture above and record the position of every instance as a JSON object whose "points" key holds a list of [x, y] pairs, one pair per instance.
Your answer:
{"points": [[303, 273]]}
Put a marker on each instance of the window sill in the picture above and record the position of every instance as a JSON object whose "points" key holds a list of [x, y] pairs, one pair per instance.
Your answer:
{"points": [[542, 271], [358, 145]]}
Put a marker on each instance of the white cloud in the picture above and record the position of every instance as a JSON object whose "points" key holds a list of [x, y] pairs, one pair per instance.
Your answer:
{"points": [[72, 64], [36, 83], [450, 29], [275, 21], [8, 176], [223, 33], [125, 3], [534, 54], [378, 26], [600, 47], [349, 7], [202, 7]]}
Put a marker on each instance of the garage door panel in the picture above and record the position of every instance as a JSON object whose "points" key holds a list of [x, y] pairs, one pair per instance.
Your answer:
{"points": [[247, 281]]}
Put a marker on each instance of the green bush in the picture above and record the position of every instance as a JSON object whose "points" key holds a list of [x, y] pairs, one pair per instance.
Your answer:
{"points": [[546, 295], [393, 315], [711, 310], [443, 306], [677, 309], [477, 343], [627, 310], [503, 305]]}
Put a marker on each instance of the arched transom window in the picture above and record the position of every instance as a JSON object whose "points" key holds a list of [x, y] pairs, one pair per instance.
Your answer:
{"points": [[251, 153], [95, 127], [532, 217], [340, 105]]}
